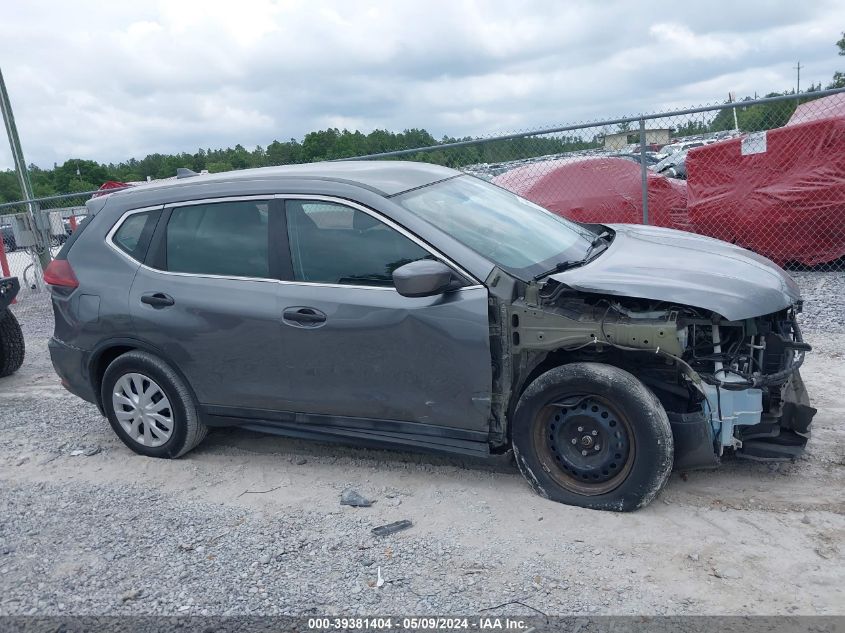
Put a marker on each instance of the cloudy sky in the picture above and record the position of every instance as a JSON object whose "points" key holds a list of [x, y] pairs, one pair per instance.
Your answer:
{"points": [[111, 80]]}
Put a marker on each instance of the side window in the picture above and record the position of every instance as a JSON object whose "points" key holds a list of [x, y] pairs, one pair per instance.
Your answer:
{"points": [[131, 237], [336, 244], [221, 238]]}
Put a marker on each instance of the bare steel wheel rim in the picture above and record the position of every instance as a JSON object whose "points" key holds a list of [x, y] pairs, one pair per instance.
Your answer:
{"points": [[586, 444], [142, 409]]}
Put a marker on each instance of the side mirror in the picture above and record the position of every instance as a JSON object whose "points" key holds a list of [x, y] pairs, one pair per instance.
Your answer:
{"points": [[422, 278]]}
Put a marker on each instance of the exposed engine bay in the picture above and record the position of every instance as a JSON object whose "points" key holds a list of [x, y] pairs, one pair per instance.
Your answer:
{"points": [[724, 384]]}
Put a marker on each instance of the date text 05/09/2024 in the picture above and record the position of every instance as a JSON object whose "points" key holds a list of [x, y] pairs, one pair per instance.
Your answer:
{"points": [[426, 623]]}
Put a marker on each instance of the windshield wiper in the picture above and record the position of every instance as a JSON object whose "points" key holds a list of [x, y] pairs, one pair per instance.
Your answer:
{"points": [[559, 268], [602, 239]]}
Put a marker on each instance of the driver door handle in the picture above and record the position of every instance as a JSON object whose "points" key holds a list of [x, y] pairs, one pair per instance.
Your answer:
{"points": [[302, 316]]}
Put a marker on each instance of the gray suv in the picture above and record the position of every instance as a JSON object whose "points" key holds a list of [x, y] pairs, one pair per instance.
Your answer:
{"points": [[409, 305]]}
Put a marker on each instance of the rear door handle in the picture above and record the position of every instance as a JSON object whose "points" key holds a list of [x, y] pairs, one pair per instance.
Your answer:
{"points": [[157, 300], [301, 316]]}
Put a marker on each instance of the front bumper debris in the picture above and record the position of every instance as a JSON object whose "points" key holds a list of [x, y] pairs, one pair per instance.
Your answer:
{"points": [[782, 433], [779, 434]]}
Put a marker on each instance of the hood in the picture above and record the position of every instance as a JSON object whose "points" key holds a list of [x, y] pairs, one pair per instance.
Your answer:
{"points": [[666, 265]]}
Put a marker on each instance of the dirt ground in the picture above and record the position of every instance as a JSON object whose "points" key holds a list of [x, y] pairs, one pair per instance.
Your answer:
{"points": [[748, 538]]}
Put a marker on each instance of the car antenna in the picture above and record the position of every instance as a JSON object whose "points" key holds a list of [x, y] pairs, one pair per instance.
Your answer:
{"points": [[184, 172]]}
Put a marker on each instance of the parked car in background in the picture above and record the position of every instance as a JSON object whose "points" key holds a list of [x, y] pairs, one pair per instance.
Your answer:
{"points": [[673, 166], [636, 157], [682, 146], [410, 305]]}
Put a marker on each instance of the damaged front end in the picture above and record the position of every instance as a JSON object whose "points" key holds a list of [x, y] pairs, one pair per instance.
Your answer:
{"points": [[755, 399], [724, 384]]}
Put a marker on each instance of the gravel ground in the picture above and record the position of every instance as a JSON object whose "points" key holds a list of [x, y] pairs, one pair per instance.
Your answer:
{"points": [[249, 524], [824, 300]]}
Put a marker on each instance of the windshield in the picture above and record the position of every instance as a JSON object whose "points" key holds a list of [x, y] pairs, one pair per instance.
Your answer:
{"points": [[517, 235]]}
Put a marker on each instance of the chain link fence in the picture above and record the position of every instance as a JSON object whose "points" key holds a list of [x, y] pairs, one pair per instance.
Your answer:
{"points": [[20, 247], [766, 174]]}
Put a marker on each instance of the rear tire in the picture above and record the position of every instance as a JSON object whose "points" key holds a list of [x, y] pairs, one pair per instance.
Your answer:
{"points": [[12, 347], [150, 407], [592, 435]]}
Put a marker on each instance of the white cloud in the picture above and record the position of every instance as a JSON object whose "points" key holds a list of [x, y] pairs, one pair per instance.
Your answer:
{"points": [[109, 81], [679, 40]]}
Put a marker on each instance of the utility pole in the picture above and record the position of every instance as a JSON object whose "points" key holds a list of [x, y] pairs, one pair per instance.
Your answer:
{"points": [[798, 68], [732, 99], [41, 251]]}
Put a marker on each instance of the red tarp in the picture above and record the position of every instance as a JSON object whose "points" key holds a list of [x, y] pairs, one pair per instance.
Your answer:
{"points": [[824, 108], [110, 184], [780, 193], [600, 190]]}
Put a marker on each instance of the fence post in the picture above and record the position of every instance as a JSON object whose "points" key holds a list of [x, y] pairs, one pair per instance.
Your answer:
{"points": [[41, 255], [643, 170]]}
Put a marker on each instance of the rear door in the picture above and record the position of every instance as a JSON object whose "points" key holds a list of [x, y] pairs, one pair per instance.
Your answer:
{"points": [[207, 297], [352, 346]]}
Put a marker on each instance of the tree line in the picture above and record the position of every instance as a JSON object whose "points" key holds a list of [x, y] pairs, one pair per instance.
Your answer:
{"points": [[85, 175]]}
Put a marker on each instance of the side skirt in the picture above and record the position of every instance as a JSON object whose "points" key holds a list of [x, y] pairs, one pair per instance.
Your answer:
{"points": [[367, 432]]}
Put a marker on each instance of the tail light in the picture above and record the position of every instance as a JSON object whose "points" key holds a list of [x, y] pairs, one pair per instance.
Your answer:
{"points": [[59, 273]]}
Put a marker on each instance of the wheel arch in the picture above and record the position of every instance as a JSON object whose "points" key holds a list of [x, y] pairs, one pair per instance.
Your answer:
{"points": [[107, 351], [651, 463], [541, 362]]}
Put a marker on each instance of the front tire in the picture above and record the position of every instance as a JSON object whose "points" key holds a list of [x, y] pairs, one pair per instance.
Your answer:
{"points": [[592, 435], [150, 407]]}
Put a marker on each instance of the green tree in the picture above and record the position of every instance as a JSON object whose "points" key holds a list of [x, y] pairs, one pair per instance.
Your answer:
{"points": [[218, 166], [79, 171], [755, 118], [320, 145], [839, 77], [692, 127], [9, 188], [79, 185], [284, 153]]}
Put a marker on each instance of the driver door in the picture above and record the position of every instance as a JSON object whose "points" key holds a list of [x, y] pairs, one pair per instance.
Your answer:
{"points": [[351, 346]]}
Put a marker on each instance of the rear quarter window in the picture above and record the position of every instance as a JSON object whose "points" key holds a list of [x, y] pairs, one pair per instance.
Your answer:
{"points": [[133, 234]]}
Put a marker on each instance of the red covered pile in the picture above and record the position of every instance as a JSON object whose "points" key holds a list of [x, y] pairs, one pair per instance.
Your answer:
{"points": [[601, 190]]}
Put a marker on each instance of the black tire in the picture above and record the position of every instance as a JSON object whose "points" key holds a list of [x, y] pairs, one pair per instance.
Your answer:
{"points": [[187, 429], [12, 348], [608, 414]]}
